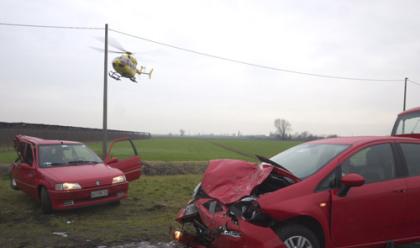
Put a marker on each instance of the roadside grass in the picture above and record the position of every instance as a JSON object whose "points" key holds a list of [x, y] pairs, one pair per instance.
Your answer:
{"points": [[147, 215]]}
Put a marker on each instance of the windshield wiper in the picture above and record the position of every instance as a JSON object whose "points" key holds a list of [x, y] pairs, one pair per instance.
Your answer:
{"points": [[266, 160], [82, 162]]}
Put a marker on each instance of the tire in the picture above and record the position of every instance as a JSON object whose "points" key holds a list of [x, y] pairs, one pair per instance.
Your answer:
{"points": [[13, 184], [45, 201], [298, 236]]}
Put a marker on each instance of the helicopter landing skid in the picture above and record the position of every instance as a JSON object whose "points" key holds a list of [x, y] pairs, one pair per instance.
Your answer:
{"points": [[114, 75]]}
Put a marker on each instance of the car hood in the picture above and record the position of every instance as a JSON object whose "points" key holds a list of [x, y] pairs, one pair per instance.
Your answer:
{"points": [[85, 175], [230, 180]]}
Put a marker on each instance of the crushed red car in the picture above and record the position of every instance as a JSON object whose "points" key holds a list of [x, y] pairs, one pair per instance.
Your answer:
{"points": [[67, 174], [341, 192]]}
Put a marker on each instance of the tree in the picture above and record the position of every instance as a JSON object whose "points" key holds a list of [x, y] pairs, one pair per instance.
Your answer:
{"points": [[182, 132], [283, 128]]}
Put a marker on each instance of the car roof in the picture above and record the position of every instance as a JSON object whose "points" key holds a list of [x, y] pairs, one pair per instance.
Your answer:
{"points": [[356, 140], [40, 141], [410, 111]]}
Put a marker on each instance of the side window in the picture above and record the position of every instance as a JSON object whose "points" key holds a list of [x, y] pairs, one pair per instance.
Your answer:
{"points": [[412, 157], [375, 163], [27, 155]]}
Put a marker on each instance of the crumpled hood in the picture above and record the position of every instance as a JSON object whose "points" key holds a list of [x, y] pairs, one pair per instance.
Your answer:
{"points": [[229, 180], [85, 175]]}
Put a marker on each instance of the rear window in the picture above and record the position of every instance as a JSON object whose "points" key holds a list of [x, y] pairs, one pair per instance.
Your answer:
{"points": [[412, 157]]}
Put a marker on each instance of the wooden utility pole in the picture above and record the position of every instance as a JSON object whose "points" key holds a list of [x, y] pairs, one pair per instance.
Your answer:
{"points": [[105, 108], [405, 92]]}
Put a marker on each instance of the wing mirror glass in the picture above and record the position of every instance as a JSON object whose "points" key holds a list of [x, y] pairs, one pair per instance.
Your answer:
{"points": [[348, 181]]}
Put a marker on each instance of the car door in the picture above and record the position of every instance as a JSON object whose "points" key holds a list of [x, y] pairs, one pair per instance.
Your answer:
{"points": [[411, 158], [372, 212], [123, 155], [25, 171]]}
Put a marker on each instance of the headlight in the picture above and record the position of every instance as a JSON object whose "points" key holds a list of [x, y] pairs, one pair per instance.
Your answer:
{"points": [[118, 179], [67, 186], [195, 191]]}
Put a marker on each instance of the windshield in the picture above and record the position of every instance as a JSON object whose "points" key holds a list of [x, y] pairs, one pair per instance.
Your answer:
{"points": [[305, 159], [66, 154], [409, 124]]}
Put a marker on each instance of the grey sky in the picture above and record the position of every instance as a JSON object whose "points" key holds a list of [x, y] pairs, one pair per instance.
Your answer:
{"points": [[53, 76]]}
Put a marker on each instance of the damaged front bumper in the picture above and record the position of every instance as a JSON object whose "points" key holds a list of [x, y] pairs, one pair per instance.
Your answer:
{"points": [[207, 223]]}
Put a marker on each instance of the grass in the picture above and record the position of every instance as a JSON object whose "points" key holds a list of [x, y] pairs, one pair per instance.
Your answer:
{"points": [[187, 149], [146, 215]]}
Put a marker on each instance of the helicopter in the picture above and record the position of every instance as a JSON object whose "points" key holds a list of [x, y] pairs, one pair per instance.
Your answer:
{"points": [[125, 65]]}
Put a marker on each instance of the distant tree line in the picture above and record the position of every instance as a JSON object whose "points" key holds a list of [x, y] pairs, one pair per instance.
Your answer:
{"points": [[8, 131], [283, 132]]}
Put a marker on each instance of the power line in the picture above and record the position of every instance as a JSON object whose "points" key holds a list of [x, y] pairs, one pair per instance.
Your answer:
{"points": [[411, 81], [48, 26], [208, 54], [253, 64]]}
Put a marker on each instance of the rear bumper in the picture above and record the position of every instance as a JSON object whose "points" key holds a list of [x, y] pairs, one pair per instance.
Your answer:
{"points": [[82, 198], [219, 230]]}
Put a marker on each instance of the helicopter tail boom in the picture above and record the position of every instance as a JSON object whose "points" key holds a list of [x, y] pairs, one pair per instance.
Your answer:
{"points": [[142, 71]]}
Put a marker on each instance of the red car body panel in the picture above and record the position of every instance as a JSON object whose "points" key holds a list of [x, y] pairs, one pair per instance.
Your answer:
{"points": [[224, 174], [91, 177], [368, 216]]}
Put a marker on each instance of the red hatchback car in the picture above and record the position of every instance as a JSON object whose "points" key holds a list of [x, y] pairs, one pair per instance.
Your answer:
{"points": [[342, 192], [67, 174]]}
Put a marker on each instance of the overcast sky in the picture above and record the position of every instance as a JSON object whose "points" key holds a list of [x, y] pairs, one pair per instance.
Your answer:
{"points": [[53, 76]]}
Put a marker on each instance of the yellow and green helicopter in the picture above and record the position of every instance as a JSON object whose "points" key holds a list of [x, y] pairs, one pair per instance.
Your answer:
{"points": [[125, 65]]}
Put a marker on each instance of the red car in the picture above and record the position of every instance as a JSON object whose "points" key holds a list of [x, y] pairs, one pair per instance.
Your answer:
{"points": [[408, 124], [67, 174], [342, 192]]}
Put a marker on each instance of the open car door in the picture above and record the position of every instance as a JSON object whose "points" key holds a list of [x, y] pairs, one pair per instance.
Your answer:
{"points": [[128, 160]]}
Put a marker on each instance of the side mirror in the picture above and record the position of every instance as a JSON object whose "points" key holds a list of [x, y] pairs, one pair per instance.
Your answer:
{"points": [[112, 160], [348, 181]]}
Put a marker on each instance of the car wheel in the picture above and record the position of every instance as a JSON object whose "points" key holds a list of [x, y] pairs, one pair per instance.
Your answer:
{"points": [[298, 236], [13, 184], [45, 201]]}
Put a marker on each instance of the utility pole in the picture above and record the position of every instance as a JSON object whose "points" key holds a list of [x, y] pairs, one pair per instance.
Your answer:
{"points": [[105, 109], [405, 92]]}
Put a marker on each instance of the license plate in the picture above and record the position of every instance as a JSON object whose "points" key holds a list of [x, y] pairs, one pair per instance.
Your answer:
{"points": [[99, 193]]}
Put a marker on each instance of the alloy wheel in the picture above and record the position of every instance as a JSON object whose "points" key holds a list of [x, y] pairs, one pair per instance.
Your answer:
{"points": [[297, 242]]}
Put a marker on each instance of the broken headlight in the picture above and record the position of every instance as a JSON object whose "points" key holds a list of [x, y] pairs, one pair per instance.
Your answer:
{"points": [[249, 209]]}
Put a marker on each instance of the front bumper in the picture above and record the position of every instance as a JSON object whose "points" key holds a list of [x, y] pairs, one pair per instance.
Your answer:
{"points": [[82, 198], [218, 229]]}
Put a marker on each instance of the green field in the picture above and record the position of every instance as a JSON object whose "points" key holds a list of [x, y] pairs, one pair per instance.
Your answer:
{"points": [[189, 149]]}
